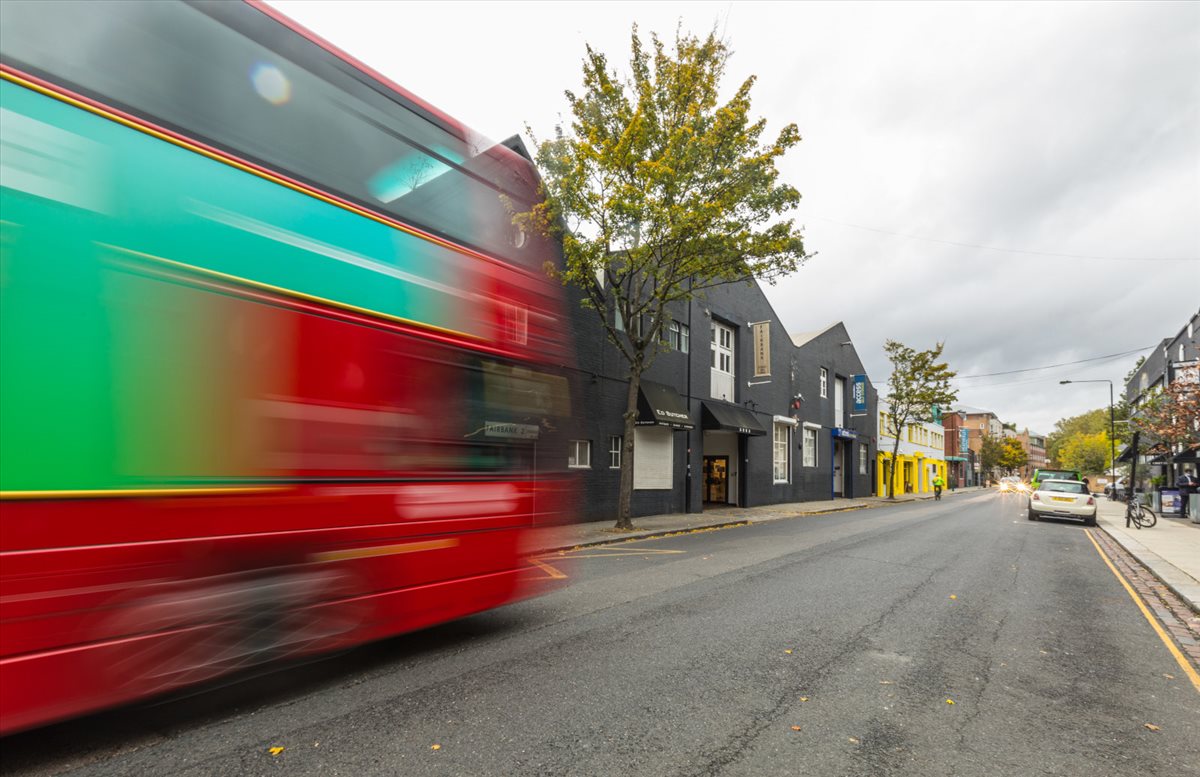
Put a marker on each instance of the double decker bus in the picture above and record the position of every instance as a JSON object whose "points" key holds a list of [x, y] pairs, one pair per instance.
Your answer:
{"points": [[277, 373]]}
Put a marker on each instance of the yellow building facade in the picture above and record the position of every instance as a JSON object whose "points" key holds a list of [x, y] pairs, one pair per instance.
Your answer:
{"points": [[921, 456]]}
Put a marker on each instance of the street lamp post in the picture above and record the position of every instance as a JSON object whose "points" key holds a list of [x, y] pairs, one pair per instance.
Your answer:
{"points": [[1112, 439]]}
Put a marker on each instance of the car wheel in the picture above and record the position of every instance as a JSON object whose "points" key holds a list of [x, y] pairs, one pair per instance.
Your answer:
{"points": [[1090, 521], [1031, 515]]}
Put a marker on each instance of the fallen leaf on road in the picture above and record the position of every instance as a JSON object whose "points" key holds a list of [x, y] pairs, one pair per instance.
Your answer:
{"points": [[886, 682], [275, 750], [949, 701], [795, 728], [1169, 676], [803, 698], [789, 652], [1151, 726], [435, 747], [952, 596], [854, 740]]}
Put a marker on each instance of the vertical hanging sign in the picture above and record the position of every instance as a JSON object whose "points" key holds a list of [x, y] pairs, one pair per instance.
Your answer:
{"points": [[859, 392], [762, 349]]}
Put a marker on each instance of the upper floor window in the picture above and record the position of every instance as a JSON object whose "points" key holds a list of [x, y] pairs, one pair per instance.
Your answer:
{"points": [[721, 354], [824, 382], [679, 336]]}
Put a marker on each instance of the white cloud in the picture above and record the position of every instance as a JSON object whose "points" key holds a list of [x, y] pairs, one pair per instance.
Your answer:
{"points": [[1055, 127]]}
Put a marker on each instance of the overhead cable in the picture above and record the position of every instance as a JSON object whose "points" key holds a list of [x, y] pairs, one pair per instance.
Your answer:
{"points": [[1052, 366]]}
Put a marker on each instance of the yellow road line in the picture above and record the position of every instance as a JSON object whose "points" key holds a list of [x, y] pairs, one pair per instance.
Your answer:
{"points": [[557, 574], [604, 552], [1186, 665]]}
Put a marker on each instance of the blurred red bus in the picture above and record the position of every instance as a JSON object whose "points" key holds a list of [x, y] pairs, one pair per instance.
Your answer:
{"points": [[278, 374]]}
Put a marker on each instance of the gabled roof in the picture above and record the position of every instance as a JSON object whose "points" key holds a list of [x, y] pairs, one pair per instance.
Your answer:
{"points": [[803, 338]]}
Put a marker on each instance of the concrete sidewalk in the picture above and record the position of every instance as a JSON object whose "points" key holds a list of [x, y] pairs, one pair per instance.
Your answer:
{"points": [[602, 532], [1171, 549]]}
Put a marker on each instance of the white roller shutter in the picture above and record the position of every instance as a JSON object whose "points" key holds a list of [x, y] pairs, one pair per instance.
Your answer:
{"points": [[653, 457]]}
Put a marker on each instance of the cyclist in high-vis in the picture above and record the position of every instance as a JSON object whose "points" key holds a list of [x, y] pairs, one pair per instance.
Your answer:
{"points": [[937, 487]]}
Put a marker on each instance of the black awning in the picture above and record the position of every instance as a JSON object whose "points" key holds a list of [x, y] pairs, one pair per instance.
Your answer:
{"points": [[660, 405], [1192, 454], [1126, 454], [718, 415]]}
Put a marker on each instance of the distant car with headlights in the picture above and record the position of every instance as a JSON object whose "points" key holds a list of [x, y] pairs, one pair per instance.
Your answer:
{"points": [[1062, 499], [1012, 483]]}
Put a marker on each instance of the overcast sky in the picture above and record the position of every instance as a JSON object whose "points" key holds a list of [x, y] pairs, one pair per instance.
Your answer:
{"points": [[1046, 128]]}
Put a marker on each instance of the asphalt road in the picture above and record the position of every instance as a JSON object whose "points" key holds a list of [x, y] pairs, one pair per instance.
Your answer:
{"points": [[824, 645]]}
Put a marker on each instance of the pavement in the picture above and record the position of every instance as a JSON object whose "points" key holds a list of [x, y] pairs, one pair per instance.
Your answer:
{"points": [[1171, 549]]}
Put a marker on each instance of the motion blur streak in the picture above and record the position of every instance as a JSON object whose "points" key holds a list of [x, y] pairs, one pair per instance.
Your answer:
{"points": [[277, 374]]}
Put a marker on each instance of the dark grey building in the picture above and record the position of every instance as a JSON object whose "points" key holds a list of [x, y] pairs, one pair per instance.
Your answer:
{"points": [[1175, 358], [733, 411]]}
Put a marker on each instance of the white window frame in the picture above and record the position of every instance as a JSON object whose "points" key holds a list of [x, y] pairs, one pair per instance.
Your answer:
{"points": [[614, 451], [781, 458], [862, 459], [679, 336], [824, 382], [722, 364], [578, 447], [516, 323], [811, 456]]}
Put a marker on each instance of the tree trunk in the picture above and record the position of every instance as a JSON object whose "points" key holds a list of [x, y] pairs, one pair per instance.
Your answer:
{"points": [[625, 494], [895, 467]]}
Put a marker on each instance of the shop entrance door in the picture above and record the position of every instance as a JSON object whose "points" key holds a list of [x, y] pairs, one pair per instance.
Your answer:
{"points": [[716, 479], [838, 475]]}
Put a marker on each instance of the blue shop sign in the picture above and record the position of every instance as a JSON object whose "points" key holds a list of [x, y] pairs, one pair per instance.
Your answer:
{"points": [[845, 434], [860, 394]]}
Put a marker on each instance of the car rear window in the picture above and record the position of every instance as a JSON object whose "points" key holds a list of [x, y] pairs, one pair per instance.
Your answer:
{"points": [[1066, 488], [1048, 474]]}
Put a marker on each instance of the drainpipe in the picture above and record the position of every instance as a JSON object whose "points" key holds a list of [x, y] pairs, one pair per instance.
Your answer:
{"points": [[687, 478]]}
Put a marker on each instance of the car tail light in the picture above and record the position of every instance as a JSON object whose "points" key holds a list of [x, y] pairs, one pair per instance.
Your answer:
{"points": [[1035, 497], [1091, 500]]}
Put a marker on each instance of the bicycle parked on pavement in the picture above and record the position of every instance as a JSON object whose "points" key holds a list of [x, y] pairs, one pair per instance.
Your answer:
{"points": [[1138, 514]]}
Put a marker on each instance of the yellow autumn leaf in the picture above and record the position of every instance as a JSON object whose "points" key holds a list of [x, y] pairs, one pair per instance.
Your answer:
{"points": [[1151, 726], [275, 750], [949, 701], [803, 698], [952, 596], [795, 728], [435, 747], [788, 651]]}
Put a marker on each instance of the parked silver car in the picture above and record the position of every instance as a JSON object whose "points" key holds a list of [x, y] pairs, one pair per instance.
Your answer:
{"points": [[1062, 499]]}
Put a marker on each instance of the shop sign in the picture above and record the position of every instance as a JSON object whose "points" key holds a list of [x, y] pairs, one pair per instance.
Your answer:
{"points": [[762, 349], [859, 392]]}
